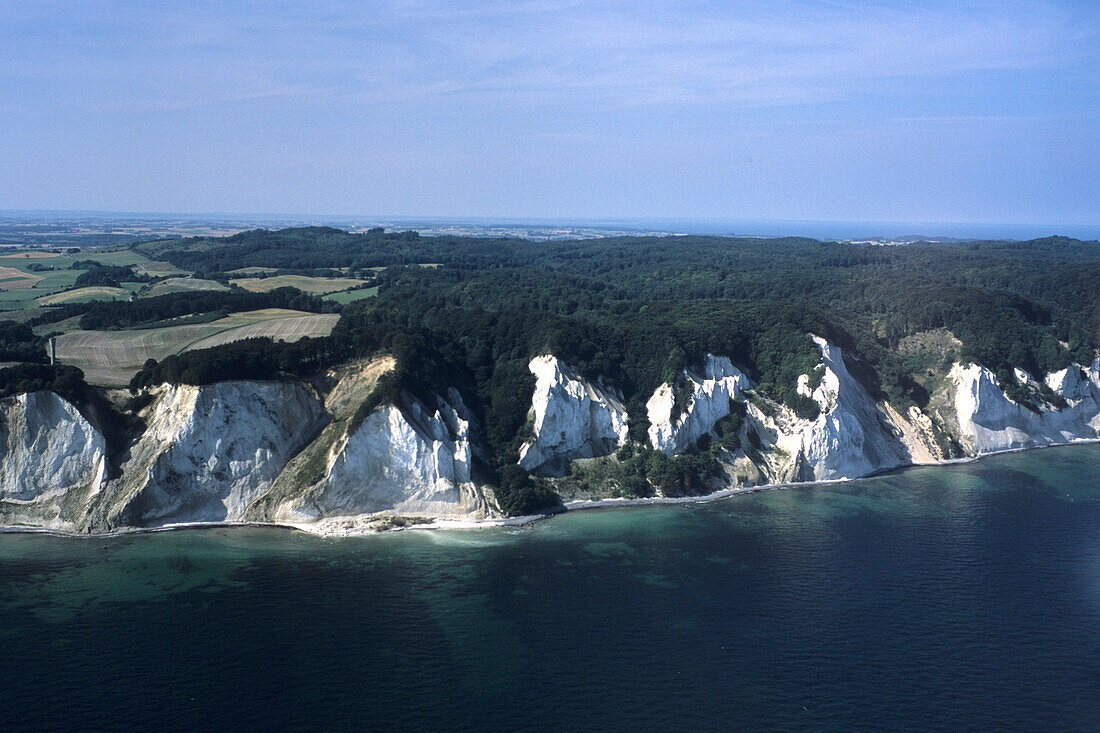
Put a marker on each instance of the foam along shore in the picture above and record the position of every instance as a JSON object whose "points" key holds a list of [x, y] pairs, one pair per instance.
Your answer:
{"points": [[374, 524]]}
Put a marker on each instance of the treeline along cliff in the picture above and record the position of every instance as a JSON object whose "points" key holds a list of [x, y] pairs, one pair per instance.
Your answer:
{"points": [[493, 377]]}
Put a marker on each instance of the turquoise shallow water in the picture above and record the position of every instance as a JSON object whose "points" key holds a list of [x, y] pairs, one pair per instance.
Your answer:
{"points": [[959, 597]]}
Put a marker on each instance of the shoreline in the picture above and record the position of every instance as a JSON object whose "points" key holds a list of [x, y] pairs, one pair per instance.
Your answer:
{"points": [[576, 505], [583, 504]]}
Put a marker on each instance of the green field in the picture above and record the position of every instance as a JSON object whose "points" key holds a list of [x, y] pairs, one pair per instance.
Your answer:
{"points": [[153, 268], [245, 271], [181, 285], [348, 296], [281, 328], [110, 358], [82, 295], [315, 285]]}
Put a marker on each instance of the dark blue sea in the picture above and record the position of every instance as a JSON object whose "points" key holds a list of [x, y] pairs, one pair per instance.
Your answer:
{"points": [[962, 597]]}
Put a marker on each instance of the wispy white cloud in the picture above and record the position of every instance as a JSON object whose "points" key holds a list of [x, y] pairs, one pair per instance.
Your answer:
{"points": [[758, 108], [599, 54]]}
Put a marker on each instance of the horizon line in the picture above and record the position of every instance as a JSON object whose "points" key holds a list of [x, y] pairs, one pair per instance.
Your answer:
{"points": [[505, 219]]}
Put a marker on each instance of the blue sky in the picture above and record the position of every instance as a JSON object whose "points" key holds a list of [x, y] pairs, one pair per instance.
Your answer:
{"points": [[906, 111]]}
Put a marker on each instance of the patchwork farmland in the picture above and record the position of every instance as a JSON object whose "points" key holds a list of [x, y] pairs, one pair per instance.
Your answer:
{"points": [[110, 358]]}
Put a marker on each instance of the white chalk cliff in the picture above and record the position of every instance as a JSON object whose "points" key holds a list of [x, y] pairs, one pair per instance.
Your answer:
{"points": [[571, 418], [279, 452], [989, 421], [51, 458], [711, 393], [852, 435], [209, 451], [404, 459]]}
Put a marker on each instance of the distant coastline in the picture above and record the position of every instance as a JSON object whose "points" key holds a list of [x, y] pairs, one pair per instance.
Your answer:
{"points": [[535, 227]]}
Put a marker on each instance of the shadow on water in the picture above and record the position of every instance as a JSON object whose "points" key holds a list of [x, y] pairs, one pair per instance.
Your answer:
{"points": [[960, 597]]}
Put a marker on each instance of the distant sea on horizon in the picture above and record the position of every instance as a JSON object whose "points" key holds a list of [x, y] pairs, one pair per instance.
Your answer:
{"points": [[829, 230], [849, 230], [961, 597]]}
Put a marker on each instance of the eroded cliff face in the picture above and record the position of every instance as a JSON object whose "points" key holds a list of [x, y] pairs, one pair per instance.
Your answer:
{"points": [[852, 436], [244, 451], [51, 460], [402, 459], [570, 418], [208, 452], [988, 420], [711, 393], [278, 452]]}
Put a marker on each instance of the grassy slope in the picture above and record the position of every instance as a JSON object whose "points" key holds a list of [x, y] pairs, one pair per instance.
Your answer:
{"points": [[349, 296], [354, 383], [111, 358], [182, 285], [316, 285], [92, 292]]}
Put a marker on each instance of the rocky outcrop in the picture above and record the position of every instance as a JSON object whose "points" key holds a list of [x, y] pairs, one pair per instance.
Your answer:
{"points": [[852, 436], [402, 458], [233, 452], [988, 420], [51, 459], [367, 457], [208, 452], [920, 435], [711, 392], [570, 418]]}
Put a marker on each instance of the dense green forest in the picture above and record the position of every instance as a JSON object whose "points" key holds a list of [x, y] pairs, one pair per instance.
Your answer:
{"points": [[18, 343], [67, 381], [992, 295], [636, 310], [109, 276], [633, 311]]}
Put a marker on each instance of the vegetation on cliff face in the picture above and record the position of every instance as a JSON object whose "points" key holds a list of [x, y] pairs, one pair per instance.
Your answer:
{"points": [[632, 311], [639, 471], [635, 311]]}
